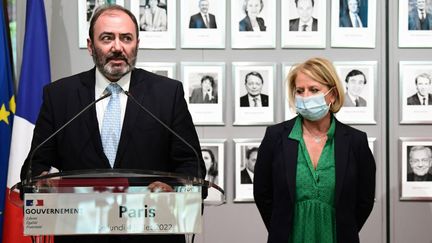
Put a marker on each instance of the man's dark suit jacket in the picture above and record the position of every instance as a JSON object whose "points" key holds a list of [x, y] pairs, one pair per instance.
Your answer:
{"points": [[197, 22], [414, 100], [294, 24], [412, 177], [144, 143], [245, 24], [244, 177], [197, 97], [349, 103], [414, 22], [275, 181], [244, 100], [345, 20]]}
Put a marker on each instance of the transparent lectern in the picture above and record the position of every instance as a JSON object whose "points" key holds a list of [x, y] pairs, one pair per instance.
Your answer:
{"points": [[112, 201]]}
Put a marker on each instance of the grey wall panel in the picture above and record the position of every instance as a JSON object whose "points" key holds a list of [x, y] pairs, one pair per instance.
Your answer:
{"points": [[410, 221]]}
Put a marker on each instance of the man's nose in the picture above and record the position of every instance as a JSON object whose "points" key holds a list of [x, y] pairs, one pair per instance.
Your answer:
{"points": [[117, 45]]}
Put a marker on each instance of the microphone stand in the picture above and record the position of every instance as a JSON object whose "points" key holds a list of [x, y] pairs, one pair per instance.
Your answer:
{"points": [[29, 169]]}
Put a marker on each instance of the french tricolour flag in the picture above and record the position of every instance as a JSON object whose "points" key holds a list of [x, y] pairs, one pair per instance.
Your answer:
{"points": [[35, 73]]}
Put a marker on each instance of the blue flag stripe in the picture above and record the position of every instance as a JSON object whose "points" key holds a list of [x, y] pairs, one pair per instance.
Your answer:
{"points": [[35, 69], [6, 115]]}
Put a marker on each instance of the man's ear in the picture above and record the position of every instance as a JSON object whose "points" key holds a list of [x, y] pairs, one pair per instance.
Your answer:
{"points": [[90, 46]]}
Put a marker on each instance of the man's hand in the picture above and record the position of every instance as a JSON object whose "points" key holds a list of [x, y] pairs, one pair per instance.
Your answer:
{"points": [[158, 186]]}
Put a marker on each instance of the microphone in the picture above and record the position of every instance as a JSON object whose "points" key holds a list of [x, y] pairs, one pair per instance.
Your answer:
{"points": [[29, 169], [168, 128]]}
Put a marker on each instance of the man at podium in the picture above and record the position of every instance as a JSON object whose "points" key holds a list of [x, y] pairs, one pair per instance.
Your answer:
{"points": [[115, 132]]}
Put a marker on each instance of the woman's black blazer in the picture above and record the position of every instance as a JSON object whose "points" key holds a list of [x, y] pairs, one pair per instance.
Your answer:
{"points": [[275, 179]]}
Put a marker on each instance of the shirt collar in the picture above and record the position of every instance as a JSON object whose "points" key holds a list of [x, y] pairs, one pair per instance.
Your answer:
{"points": [[422, 97], [351, 97], [297, 130], [258, 97], [309, 23], [102, 82]]}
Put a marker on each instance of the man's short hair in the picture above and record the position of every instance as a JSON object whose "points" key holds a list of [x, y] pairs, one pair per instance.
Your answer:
{"points": [[110, 7], [312, 1], [420, 148], [210, 78], [423, 75], [353, 73], [253, 73], [250, 151]]}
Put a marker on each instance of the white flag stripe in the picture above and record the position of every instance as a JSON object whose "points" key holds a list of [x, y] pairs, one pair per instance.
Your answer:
{"points": [[22, 134]]}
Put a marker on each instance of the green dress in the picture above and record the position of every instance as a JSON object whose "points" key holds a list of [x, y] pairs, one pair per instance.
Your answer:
{"points": [[314, 212]]}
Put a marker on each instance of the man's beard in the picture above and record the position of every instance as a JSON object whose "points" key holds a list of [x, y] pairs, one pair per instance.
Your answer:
{"points": [[109, 71]]}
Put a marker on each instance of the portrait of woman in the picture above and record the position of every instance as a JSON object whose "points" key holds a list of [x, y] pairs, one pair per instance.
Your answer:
{"points": [[314, 178], [154, 17], [210, 164], [252, 8]]}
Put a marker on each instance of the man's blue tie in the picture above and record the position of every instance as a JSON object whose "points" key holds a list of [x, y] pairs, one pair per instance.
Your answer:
{"points": [[111, 124]]}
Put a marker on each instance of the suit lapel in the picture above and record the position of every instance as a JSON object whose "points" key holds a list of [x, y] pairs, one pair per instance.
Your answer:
{"points": [[290, 153], [139, 91], [86, 94], [342, 144]]}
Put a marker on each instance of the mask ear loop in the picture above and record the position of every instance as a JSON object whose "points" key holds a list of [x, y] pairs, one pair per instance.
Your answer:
{"points": [[329, 91]]}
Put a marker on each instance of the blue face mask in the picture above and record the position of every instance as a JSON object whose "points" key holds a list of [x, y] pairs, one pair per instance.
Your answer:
{"points": [[312, 108]]}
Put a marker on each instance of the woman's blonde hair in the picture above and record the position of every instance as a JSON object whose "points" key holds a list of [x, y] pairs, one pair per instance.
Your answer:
{"points": [[322, 71]]}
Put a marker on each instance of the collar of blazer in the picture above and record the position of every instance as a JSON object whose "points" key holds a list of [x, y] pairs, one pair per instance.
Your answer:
{"points": [[290, 153]]}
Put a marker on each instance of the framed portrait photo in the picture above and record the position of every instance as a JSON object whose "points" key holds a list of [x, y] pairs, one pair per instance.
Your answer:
{"points": [[303, 24], [167, 69], [246, 152], [204, 84], [156, 22], [253, 93], [212, 151], [253, 24], [360, 86], [416, 173], [415, 87], [202, 23], [289, 112], [415, 23], [86, 9], [353, 23]]}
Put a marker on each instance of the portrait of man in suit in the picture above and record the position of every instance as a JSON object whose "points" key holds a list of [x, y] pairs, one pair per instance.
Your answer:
{"points": [[420, 161], [423, 95], [419, 17], [247, 173], [206, 93], [203, 19], [305, 21], [353, 14], [355, 82], [254, 98]]}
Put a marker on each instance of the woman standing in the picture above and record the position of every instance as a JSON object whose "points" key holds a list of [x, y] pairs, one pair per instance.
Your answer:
{"points": [[252, 22], [210, 164], [314, 176]]}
